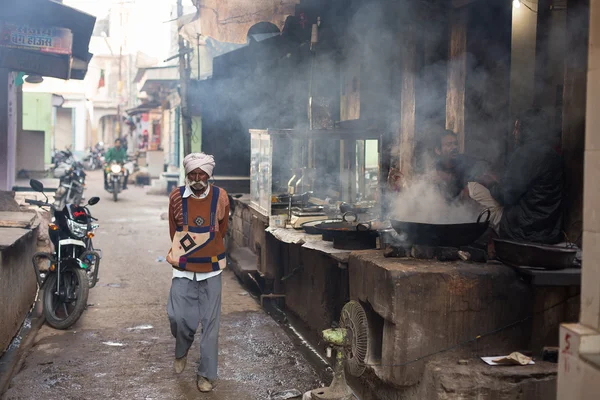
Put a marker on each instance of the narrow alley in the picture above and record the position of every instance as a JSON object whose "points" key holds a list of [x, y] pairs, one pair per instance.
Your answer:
{"points": [[122, 347], [408, 186]]}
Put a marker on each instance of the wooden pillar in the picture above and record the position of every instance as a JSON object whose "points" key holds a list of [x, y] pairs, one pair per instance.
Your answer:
{"points": [[404, 145], [457, 74], [543, 74], [574, 114]]}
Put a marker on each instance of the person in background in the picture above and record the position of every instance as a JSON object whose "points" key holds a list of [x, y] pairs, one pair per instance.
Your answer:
{"points": [[452, 171], [119, 155], [529, 195], [198, 222]]}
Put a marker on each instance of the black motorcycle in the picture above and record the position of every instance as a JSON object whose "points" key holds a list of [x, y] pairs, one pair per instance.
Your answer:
{"points": [[115, 178], [72, 185], [74, 264], [62, 156], [93, 159]]}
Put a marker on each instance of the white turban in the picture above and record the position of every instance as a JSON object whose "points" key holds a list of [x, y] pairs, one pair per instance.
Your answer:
{"points": [[199, 160]]}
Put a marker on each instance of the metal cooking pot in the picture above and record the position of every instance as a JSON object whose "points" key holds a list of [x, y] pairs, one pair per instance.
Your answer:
{"points": [[442, 235], [516, 254]]}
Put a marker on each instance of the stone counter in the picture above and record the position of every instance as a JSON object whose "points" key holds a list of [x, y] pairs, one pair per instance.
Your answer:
{"points": [[417, 307]]}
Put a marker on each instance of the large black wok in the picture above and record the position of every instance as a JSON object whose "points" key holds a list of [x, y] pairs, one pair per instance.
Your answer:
{"points": [[442, 235]]}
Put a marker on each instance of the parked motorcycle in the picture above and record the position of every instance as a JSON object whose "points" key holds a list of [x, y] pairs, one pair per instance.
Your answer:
{"points": [[115, 177], [92, 160], [72, 185], [74, 264], [62, 157]]}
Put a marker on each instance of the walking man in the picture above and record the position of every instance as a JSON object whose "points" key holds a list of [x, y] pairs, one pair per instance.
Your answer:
{"points": [[198, 221]]}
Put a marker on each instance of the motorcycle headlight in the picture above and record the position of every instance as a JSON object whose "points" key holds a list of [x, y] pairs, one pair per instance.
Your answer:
{"points": [[78, 230], [115, 168]]}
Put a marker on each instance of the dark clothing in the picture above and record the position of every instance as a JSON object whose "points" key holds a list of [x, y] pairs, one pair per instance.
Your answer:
{"points": [[531, 193]]}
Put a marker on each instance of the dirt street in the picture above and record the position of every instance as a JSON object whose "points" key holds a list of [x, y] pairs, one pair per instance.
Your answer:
{"points": [[122, 346]]}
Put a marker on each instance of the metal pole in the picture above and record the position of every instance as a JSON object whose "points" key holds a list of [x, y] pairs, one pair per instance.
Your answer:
{"points": [[183, 82], [119, 94], [120, 82], [198, 38]]}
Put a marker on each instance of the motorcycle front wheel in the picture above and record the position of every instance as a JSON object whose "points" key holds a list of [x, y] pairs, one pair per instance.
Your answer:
{"points": [[60, 312], [115, 191]]}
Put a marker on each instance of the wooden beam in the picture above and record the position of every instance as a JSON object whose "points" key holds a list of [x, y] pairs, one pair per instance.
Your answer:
{"points": [[405, 139], [457, 75]]}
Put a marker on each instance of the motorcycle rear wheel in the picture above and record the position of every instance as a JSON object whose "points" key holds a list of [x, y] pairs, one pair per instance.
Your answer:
{"points": [[61, 315]]}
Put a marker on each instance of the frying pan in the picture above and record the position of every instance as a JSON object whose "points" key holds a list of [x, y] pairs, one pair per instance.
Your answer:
{"points": [[349, 235], [311, 229], [442, 235], [534, 255]]}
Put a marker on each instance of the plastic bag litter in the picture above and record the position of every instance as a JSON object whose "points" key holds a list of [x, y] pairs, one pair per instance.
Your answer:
{"points": [[285, 395]]}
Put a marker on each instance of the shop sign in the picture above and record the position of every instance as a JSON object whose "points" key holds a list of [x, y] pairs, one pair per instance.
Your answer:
{"points": [[48, 40], [32, 62]]}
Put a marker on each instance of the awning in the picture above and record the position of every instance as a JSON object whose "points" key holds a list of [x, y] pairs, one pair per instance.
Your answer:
{"points": [[154, 78], [73, 26], [230, 20], [143, 108]]}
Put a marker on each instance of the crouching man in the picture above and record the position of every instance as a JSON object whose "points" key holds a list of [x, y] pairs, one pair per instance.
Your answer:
{"points": [[198, 221]]}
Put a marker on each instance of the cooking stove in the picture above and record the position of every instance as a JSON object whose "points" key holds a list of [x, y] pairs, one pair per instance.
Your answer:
{"points": [[407, 250]]}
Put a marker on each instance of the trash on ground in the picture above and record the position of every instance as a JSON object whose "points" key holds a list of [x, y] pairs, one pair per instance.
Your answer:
{"points": [[114, 344], [140, 328], [286, 394], [160, 259], [515, 358]]}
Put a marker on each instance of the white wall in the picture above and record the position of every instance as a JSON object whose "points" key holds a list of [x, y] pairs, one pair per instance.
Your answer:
{"points": [[63, 129]]}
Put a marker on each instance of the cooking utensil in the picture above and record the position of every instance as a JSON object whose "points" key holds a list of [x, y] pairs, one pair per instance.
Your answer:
{"points": [[349, 235], [534, 255], [442, 235]]}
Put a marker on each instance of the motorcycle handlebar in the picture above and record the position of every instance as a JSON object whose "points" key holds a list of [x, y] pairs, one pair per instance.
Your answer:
{"points": [[37, 203]]}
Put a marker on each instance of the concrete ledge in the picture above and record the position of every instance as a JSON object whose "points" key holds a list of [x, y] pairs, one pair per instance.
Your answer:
{"points": [[243, 263], [17, 219], [12, 359], [18, 284]]}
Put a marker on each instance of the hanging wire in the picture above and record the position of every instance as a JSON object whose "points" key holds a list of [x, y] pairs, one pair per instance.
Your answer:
{"points": [[476, 338]]}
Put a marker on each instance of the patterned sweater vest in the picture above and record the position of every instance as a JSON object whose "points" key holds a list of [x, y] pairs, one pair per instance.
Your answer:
{"points": [[198, 245]]}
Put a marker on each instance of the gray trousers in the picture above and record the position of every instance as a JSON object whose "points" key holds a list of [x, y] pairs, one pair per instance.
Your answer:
{"points": [[191, 303]]}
